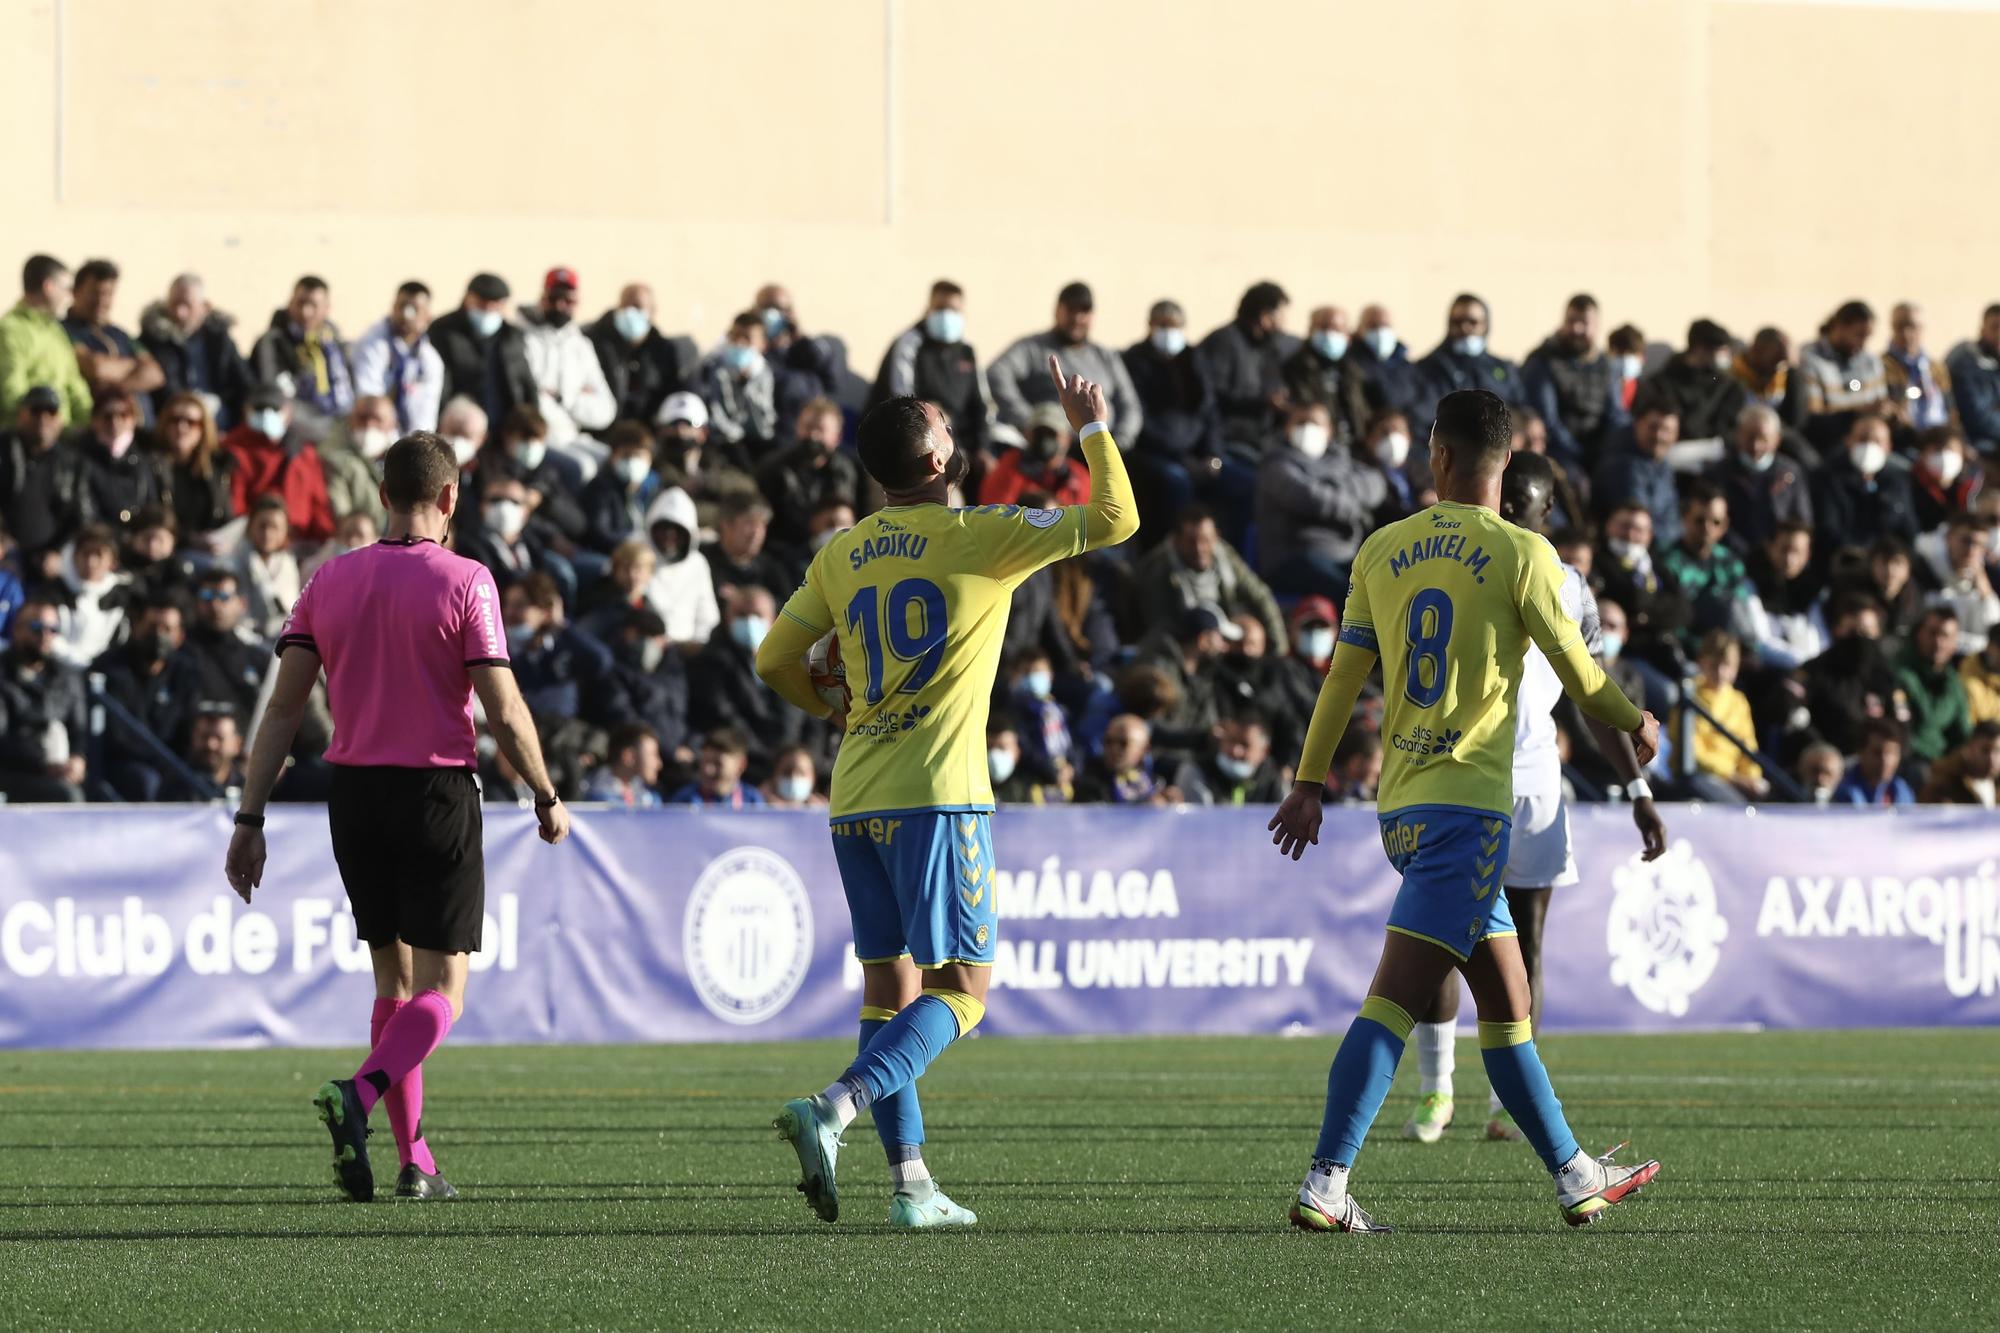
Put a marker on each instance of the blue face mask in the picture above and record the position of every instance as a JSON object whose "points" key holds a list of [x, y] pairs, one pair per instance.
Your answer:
{"points": [[1000, 763], [1330, 343], [774, 320], [631, 323], [1170, 341], [945, 326], [485, 323], [1610, 644], [1236, 770], [1473, 344], [749, 631], [743, 358], [794, 786], [519, 637], [1038, 683], [1381, 340]]}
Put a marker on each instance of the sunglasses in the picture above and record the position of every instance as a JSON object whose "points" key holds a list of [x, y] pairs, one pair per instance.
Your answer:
{"points": [[215, 595], [184, 421]]}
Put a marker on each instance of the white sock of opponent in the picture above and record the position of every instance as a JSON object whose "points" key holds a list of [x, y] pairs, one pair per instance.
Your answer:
{"points": [[1437, 1055]]}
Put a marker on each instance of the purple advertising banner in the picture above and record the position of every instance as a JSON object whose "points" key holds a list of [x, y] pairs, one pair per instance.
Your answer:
{"points": [[117, 930]]}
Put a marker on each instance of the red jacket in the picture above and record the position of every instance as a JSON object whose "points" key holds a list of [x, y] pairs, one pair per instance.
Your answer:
{"points": [[289, 469], [1005, 483]]}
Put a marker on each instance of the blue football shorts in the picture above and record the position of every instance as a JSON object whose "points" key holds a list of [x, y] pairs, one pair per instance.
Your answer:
{"points": [[919, 882], [1451, 859]]}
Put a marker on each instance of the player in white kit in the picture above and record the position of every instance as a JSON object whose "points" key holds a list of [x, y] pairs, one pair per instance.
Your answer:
{"points": [[1539, 856]]}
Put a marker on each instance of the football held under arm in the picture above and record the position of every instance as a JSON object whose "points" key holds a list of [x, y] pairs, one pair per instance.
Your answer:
{"points": [[781, 657]]}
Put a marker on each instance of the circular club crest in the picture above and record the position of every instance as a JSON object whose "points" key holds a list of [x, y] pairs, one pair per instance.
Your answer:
{"points": [[1665, 932], [748, 935]]}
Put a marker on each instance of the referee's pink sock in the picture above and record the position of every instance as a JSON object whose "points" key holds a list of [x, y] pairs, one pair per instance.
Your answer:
{"points": [[408, 1037], [404, 1100]]}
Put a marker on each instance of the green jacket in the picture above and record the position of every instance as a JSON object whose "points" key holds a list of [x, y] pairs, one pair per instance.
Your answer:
{"points": [[34, 349], [353, 486], [1940, 713]]}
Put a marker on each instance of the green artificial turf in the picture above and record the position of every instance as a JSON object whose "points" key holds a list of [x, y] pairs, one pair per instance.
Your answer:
{"points": [[1835, 1180]]}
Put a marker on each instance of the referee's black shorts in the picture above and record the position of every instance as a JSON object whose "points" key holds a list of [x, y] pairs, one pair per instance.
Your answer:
{"points": [[407, 841]]}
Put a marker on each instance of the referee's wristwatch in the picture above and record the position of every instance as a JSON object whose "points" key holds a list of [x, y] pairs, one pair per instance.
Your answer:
{"points": [[246, 820], [547, 802]]}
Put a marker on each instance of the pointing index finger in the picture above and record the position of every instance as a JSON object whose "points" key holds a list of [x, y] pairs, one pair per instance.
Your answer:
{"points": [[1056, 373]]}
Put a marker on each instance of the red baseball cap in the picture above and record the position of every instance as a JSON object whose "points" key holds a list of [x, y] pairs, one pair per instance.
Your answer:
{"points": [[1314, 610], [560, 276]]}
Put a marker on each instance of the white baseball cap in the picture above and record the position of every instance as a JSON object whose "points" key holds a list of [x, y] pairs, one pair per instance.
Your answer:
{"points": [[683, 406]]}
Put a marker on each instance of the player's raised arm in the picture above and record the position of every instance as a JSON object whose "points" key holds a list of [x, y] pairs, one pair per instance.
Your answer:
{"points": [[1561, 641], [1112, 516]]}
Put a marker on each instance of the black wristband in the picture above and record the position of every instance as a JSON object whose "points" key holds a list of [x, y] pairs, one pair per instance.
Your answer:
{"points": [[249, 821], [550, 804]]}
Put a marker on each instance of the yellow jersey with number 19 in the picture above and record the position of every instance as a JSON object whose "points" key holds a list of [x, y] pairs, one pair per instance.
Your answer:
{"points": [[918, 595], [1450, 598]]}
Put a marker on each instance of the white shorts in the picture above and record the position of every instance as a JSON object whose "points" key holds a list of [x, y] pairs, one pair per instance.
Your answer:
{"points": [[1538, 853]]}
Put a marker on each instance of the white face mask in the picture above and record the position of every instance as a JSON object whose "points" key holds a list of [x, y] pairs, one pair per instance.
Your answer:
{"points": [[1311, 439], [1945, 464], [1629, 366], [1393, 449], [1316, 643], [1764, 464], [485, 323], [464, 451], [651, 653], [507, 517], [530, 453], [794, 787], [1381, 340], [1000, 763], [1869, 457], [1624, 550], [374, 442], [1170, 341], [1725, 360]]}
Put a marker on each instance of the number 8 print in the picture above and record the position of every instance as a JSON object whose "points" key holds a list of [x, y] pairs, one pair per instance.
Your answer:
{"points": [[1429, 635]]}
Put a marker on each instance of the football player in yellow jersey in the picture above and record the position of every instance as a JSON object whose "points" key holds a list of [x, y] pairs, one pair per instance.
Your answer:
{"points": [[917, 594], [1448, 599]]}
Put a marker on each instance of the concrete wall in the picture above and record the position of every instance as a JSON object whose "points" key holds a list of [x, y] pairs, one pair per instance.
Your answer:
{"points": [[1751, 161]]}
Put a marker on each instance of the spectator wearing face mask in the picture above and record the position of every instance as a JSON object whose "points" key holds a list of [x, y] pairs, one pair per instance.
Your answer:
{"points": [[1194, 568], [931, 360], [123, 473], [1818, 772], [1296, 676], [738, 557], [719, 775], [1245, 364], [1919, 386], [485, 356], [1378, 374], [1623, 570], [1123, 771], [1626, 346], [273, 458], [1945, 480], [266, 569], [45, 707], [1011, 784], [1047, 745], [709, 468], [1699, 382], [803, 366], [463, 424], [1462, 361], [195, 474], [1406, 480], [1969, 775], [191, 342], [739, 388], [630, 773], [1635, 466], [1975, 379], [814, 471], [682, 590], [1180, 451], [106, 354], [723, 687], [34, 348], [1854, 681], [1019, 376], [617, 498], [502, 541], [1237, 768], [1965, 586], [562, 671], [1875, 778], [1764, 489], [1858, 497], [641, 365], [570, 390], [301, 353], [553, 482], [1614, 631], [1315, 506], [1316, 372], [1787, 626], [1574, 385], [1042, 466], [794, 781], [351, 458], [157, 689], [394, 359], [1840, 379]]}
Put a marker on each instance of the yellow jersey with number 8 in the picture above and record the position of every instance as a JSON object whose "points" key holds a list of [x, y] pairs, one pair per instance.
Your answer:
{"points": [[918, 597], [1450, 598]]}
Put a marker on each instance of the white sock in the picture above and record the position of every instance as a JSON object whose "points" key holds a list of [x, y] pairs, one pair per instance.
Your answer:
{"points": [[1580, 1174], [1327, 1181], [840, 1098], [911, 1177], [1437, 1055], [1494, 1106]]}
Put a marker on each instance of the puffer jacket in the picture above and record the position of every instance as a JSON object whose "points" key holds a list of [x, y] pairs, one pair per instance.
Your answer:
{"points": [[575, 399]]}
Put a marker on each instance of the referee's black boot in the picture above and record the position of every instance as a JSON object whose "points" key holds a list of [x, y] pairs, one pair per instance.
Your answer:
{"points": [[340, 1111], [417, 1184]]}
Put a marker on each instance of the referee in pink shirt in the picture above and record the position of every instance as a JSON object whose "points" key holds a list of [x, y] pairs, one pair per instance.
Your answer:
{"points": [[408, 633]]}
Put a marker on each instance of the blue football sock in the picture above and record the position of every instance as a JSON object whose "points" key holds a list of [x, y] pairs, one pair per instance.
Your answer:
{"points": [[1514, 1068], [1363, 1069], [898, 1119], [908, 1043]]}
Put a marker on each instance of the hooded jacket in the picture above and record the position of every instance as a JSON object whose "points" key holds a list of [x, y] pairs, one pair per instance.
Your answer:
{"points": [[205, 361], [682, 591]]}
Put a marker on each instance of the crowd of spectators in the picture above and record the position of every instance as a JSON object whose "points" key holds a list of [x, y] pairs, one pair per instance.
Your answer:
{"points": [[1793, 547]]}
